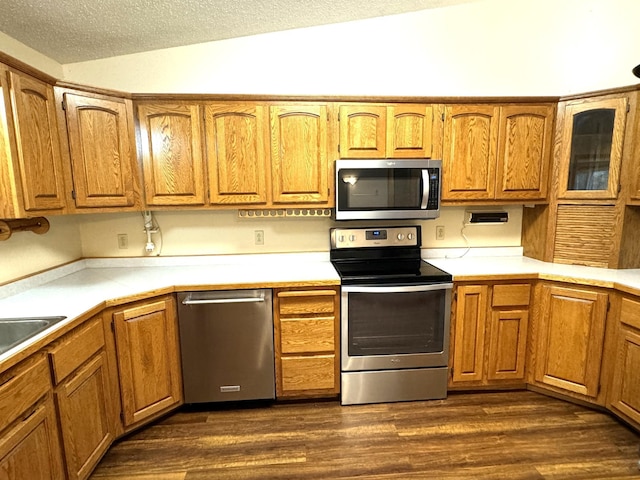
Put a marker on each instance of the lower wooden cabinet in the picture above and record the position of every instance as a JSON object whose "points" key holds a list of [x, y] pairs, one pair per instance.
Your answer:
{"points": [[29, 442], [83, 397], [148, 357], [489, 338], [306, 323], [569, 340], [624, 394]]}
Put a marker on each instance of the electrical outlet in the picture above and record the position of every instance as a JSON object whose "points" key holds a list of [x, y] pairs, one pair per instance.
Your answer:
{"points": [[258, 237], [440, 232], [123, 241]]}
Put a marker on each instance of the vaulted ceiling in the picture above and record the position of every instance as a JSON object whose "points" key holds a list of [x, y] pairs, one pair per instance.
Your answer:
{"points": [[77, 30]]}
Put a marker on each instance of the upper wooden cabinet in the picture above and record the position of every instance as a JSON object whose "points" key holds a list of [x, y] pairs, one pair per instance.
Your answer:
{"points": [[570, 328], [494, 152], [100, 137], [387, 131], [299, 153], [172, 158], [237, 138], [593, 132], [31, 173]]}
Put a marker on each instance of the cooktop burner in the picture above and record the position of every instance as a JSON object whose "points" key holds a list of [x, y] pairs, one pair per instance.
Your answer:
{"points": [[389, 255]]}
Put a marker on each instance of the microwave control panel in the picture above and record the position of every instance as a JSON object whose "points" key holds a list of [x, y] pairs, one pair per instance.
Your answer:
{"points": [[375, 237]]}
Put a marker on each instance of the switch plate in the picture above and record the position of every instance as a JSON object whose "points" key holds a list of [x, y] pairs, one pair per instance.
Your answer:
{"points": [[123, 241], [258, 237], [440, 232]]}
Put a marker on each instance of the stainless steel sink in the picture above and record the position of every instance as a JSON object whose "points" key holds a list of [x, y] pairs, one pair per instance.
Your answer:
{"points": [[14, 331]]}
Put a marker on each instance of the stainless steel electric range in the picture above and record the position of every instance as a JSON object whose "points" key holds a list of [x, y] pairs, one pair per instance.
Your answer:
{"points": [[395, 310]]}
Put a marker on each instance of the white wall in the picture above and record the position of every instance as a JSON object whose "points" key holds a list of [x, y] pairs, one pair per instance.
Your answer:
{"points": [[492, 47], [215, 232], [28, 55]]}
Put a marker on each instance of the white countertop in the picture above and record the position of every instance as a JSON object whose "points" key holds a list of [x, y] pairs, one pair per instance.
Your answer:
{"points": [[75, 289]]}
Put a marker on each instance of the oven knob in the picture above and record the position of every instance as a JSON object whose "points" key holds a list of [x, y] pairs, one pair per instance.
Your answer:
{"points": [[352, 238], [401, 236], [409, 236], [341, 239]]}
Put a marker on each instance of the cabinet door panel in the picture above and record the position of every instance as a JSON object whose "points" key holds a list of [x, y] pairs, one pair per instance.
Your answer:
{"points": [[102, 155], [38, 144], [569, 351], [362, 131], [591, 155], [300, 172], [469, 155], [31, 450], [469, 335], [507, 351], [237, 153], [87, 430], [148, 359], [172, 155], [524, 152], [308, 373], [625, 388], [409, 131]]}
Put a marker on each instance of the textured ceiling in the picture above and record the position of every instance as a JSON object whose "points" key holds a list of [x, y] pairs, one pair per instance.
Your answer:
{"points": [[77, 30]]}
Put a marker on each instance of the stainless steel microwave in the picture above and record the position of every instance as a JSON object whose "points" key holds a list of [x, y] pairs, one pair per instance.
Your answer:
{"points": [[388, 189]]}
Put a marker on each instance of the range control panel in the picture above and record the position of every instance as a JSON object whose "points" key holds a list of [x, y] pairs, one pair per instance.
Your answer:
{"points": [[375, 237]]}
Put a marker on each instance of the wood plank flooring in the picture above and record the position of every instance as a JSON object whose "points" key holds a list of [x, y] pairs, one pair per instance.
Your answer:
{"points": [[505, 435]]}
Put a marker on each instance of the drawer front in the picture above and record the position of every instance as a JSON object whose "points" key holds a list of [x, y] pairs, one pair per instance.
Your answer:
{"points": [[23, 386], [299, 335], [630, 313], [511, 295], [307, 302], [308, 373], [76, 348]]}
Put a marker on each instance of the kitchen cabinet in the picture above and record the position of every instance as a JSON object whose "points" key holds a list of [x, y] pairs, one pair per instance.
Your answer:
{"points": [[593, 131], [497, 152], [238, 157], [300, 136], [31, 174], [490, 327], [569, 340], [389, 131], [98, 133], [147, 349], [30, 442], [624, 394], [171, 153], [83, 395], [306, 327]]}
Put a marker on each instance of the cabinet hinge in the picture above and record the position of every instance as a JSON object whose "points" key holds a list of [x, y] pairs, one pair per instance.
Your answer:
{"points": [[73, 194], [113, 327], [122, 417], [338, 148], [608, 305], [442, 116], [628, 108], [64, 105]]}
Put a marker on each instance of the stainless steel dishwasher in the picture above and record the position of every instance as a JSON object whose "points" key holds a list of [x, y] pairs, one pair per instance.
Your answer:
{"points": [[226, 339]]}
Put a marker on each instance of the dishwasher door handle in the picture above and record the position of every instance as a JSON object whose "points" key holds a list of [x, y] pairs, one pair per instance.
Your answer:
{"points": [[205, 301]]}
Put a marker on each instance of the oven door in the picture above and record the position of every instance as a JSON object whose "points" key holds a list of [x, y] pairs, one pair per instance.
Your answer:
{"points": [[395, 327]]}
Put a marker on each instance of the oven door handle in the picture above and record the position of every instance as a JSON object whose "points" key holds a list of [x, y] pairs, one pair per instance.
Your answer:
{"points": [[396, 288]]}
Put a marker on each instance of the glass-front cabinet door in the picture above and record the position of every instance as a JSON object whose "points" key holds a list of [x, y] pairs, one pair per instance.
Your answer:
{"points": [[592, 139]]}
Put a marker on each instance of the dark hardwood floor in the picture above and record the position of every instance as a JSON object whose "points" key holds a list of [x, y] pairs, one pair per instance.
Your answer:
{"points": [[510, 435]]}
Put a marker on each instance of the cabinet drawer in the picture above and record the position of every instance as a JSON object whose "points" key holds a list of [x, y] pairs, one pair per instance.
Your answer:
{"points": [[76, 348], [21, 388], [308, 373], [299, 335], [511, 295], [306, 302], [630, 313]]}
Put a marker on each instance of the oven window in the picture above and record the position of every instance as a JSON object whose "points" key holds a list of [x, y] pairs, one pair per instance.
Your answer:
{"points": [[396, 323]]}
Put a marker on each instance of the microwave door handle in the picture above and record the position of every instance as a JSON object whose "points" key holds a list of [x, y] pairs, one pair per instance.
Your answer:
{"points": [[425, 189]]}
